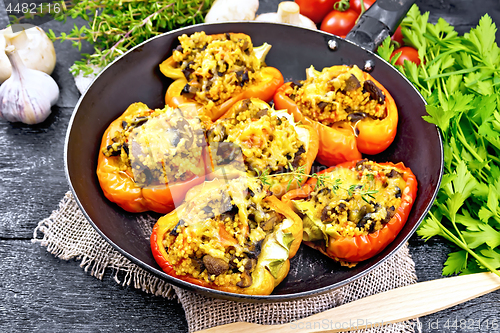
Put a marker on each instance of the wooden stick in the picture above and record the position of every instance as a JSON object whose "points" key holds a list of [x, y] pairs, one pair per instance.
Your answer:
{"points": [[389, 307]]}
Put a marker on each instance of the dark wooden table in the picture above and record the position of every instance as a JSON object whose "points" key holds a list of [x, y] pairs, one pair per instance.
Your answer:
{"points": [[40, 293]]}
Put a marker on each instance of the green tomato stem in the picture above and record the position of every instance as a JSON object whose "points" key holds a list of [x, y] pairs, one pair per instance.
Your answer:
{"points": [[342, 5]]}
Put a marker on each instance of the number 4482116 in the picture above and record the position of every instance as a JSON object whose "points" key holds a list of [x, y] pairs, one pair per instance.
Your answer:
{"points": [[31, 8], [474, 325]]}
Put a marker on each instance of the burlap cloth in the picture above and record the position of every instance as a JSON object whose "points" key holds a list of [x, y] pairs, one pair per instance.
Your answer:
{"points": [[68, 235]]}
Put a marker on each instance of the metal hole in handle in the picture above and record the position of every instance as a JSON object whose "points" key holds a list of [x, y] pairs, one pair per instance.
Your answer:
{"points": [[333, 45], [369, 65]]}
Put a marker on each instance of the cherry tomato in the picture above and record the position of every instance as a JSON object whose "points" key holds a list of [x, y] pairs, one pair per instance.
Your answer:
{"points": [[407, 53], [316, 10], [356, 4], [398, 36], [339, 23]]}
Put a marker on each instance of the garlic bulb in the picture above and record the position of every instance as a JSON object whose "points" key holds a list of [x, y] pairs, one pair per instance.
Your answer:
{"points": [[35, 49], [28, 94], [288, 12]]}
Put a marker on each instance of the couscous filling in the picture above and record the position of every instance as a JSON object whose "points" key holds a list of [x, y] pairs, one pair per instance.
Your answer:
{"points": [[159, 146], [338, 93], [264, 139], [220, 235], [351, 202], [216, 67]]}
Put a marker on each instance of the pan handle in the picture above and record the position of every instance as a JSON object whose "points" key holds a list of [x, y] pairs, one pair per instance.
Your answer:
{"points": [[378, 22]]}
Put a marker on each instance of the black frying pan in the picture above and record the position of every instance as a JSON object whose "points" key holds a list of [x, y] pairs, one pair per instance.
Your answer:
{"points": [[135, 77]]}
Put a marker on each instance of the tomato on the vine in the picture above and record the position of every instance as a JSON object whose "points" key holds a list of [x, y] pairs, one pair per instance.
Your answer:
{"points": [[398, 37], [407, 53], [356, 4], [339, 23], [316, 10]]}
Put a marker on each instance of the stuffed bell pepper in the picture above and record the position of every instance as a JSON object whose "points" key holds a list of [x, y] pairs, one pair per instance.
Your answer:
{"points": [[229, 236], [352, 112], [352, 211], [254, 140], [218, 70], [148, 159]]}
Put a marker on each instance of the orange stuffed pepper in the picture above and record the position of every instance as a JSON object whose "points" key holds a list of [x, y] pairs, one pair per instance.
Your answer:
{"points": [[352, 112], [229, 236], [354, 210], [216, 71], [149, 159], [253, 139]]}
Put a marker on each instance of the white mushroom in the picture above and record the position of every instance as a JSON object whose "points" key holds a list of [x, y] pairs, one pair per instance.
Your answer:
{"points": [[232, 10], [288, 12]]}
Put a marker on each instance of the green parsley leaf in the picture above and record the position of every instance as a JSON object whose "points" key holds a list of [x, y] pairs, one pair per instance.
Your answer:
{"points": [[385, 49], [492, 201], [491, 257], [438, 117], [456, 263], [430, 228], [486, 235], [483, 37], [468, 221], [485, 214]]}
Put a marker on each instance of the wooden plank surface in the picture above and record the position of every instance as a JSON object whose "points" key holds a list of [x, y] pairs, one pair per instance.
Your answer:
{"points": [[40, 293]]}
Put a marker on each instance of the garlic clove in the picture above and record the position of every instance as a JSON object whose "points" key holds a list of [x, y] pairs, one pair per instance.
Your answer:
{"points": [[5, 68], [27, 96], [33, 45], [288, 12]]}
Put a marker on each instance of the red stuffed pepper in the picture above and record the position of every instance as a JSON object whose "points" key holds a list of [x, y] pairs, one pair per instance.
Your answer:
{"points": [[352, 112], [229, 236], [253, 139], [149, 159], [216, 71], [352, 211]]}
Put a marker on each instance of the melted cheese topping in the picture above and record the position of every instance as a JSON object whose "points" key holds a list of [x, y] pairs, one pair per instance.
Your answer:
{"points": [[218, 67], [159, 147], [227, 226], [352, 202], [266, 139], [337, 92]]}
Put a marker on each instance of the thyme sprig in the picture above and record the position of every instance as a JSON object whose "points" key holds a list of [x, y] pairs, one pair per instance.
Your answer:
{"points": [[114, 26], [297, 173], [322, 180], [364, 191]]}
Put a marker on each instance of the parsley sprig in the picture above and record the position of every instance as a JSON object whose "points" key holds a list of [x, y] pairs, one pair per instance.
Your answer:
{"points": [[460, 78], [114, 26]]}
